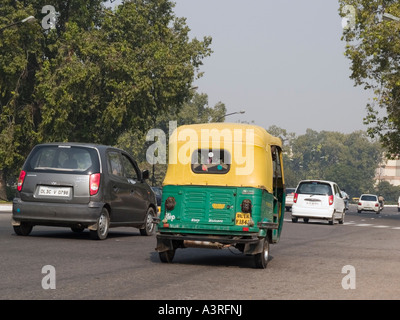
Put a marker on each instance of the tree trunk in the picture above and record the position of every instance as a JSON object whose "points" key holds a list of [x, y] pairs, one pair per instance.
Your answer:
{"points": [[3, 192]]}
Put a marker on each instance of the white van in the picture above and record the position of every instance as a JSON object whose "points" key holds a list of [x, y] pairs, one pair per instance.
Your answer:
{"points": [[318, 199]]}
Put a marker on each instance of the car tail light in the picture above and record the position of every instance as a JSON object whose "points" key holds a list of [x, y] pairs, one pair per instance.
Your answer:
{"points": [[295, 198], [21, 180], [94, 183], [330, 198], [359, 203], [376, 204]]}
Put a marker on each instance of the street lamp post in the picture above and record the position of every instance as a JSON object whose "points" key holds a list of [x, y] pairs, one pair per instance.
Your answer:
{"points": [[28, 19], [390, 17], [229, 114]]}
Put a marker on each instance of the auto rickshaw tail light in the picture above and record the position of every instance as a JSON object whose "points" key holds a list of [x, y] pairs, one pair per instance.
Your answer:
{"points": [[330, 198]]}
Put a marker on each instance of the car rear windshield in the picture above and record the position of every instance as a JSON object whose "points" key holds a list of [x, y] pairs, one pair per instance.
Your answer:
{"points": [[211, 161], [368, 198], [54, 158], [314, 187]]}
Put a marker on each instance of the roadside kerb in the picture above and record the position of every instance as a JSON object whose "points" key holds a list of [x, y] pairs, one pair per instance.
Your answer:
{"points": [[5, 207]]}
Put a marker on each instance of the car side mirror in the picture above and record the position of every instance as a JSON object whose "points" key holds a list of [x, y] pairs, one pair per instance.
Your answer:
{"points": [[145, 174]]}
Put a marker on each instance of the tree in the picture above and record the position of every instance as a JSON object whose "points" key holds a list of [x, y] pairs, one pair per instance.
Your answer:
{"points": [[19, 52], [373, 47], [348, 159], [389, 191], [97, 73]]}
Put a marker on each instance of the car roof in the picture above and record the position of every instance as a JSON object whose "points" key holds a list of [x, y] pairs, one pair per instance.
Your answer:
{"points": [[323, 181], [78, 144]]}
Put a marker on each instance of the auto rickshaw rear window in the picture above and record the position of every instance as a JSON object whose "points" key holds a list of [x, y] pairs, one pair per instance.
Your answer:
{"points": [[215, 161]]}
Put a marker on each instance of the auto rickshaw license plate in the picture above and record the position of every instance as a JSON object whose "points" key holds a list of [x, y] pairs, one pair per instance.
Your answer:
{"points": [[242, 219]]}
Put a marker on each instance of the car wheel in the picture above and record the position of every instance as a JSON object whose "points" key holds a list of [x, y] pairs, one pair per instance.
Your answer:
{"points": [[167, 256], [295, 219], [24, 229], [149, 226], [103, 224], [261, 259], [358, 211], [306, 220]]}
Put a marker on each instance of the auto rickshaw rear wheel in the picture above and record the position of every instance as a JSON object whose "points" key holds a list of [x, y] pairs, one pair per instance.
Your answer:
{"points": [[261, 259], [167, 256]]}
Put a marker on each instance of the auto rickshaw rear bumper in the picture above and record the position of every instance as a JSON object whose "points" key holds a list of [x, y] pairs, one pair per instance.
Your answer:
{"points": [[252, 244]]}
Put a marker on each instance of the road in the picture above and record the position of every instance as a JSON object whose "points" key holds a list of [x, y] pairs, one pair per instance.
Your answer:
{"points": [[356, 260]]}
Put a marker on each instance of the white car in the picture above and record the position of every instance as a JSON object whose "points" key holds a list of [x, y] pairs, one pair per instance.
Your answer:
{"points": [[289, 198], [368, 202], [318, 199]]}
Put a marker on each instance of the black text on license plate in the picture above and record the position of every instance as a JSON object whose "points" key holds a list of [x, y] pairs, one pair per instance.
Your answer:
{"points": [[54, 191], [242, 219]]}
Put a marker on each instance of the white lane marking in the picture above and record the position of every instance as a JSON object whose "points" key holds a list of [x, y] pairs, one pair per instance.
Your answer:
{"points": [[354, 224]]}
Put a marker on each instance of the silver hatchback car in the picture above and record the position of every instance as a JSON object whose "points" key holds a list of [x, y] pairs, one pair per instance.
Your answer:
{"points": [[82, 186]]}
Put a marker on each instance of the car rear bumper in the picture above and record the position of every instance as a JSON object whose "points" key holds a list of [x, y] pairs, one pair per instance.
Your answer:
{"points": [[56, 214], [362, 208], [316, 213]]}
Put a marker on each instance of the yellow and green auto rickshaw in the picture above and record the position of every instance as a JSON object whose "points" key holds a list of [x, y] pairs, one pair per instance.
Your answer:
{"points": [[224, 187]]}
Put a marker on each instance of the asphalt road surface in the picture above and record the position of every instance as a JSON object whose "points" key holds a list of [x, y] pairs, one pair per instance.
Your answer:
{"points": [[357, 260]]}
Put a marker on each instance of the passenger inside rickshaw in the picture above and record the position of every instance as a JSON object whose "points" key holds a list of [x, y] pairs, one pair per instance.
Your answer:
{"points": [[211, 161]]}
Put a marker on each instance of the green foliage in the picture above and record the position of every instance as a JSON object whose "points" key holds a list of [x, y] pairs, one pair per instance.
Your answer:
{"points": [[348, 159], [97, 74], [118, 76], [390, 192], [373, 47]]}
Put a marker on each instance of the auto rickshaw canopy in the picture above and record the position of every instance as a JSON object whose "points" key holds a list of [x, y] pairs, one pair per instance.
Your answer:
{"points": [[245, 157]]}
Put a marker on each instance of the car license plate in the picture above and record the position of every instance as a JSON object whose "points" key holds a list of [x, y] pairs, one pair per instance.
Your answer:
{"points": [[242, 219], [54, 191], [313, 203]]}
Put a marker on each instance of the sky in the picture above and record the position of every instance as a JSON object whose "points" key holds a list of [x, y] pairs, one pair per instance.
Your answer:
{"points": [[281, 61]]}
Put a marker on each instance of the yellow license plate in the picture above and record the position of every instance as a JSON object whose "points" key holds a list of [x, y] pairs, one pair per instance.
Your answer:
{"points": [[242, 219]]}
